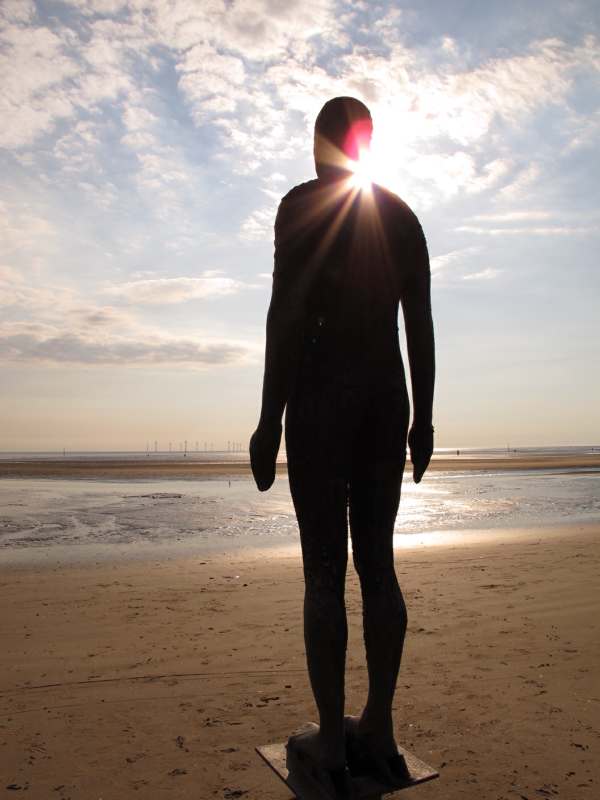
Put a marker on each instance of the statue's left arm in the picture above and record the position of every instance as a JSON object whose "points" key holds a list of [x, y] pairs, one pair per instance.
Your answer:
{"points": [[418, 322]]}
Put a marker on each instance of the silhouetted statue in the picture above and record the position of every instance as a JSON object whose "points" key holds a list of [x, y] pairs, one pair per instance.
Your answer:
{"points": [[344, 260]]}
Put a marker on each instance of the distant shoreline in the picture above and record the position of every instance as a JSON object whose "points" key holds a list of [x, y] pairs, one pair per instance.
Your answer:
{"points": [[124, 468]]}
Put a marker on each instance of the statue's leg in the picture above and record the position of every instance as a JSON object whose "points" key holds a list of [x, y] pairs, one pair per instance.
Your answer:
{"points": [[321, 508], [316, 423], [374, 498]]}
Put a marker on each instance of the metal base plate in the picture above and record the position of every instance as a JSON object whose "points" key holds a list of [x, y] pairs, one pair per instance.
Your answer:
{"points": [[306, 788]]}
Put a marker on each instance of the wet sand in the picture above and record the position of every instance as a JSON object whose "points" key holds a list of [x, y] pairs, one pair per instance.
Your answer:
{"points": [[156, 468], [157, 679]]}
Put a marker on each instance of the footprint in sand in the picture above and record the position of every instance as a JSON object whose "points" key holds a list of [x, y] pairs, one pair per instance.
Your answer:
{"points": [[134, 758], [180, 742]]}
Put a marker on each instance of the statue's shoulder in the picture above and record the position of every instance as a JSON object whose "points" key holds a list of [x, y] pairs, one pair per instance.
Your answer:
{"points": [[300, 193], [396, 212], [392, 203], [293, 207]]}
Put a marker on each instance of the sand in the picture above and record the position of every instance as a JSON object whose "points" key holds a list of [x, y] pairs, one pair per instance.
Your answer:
{"points": [[157, 679], [123, 468]]}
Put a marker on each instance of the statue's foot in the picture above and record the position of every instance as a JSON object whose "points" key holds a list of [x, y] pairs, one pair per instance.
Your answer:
{"points": [[327, 769], [368, 753]]}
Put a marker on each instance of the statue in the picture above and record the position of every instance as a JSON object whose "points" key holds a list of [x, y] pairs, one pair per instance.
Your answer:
{"points": [[346, 256]]}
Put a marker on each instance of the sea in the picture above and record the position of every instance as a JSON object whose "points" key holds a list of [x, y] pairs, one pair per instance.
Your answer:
{"points": [[220, 456], [58, 520]]}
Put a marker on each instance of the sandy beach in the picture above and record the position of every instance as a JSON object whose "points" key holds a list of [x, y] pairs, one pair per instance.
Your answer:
{"points": [[123, 468], [157, 679]]}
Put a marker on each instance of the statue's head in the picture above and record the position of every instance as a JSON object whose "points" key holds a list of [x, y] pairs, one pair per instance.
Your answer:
{"points": [[343, 128]]}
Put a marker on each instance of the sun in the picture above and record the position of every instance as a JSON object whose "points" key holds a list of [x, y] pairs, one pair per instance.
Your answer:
{"points": [[362, 171]]}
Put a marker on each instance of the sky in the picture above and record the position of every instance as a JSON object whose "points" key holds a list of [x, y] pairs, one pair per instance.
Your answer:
{"points": [[145, 145]]}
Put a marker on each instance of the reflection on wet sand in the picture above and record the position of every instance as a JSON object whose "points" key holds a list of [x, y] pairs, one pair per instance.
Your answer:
{"points": [[86, 518]]}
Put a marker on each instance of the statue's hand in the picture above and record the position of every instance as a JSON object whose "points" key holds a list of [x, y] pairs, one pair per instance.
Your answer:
{"points": [[264, 446], [420, 441]]}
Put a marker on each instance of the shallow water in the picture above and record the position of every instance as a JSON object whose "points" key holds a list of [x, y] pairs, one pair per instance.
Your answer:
{"points": [[97, 518]]}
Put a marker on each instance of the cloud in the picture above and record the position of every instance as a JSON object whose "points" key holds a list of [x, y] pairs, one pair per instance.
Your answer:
{"points": [[16, 293], [558, 230], [17, 10], [260, 29], [509, 87], [26, 342], [582, 130], [23, 230], [90, 7], [51, 75], [210, 81], [513, 216], [57, 307], [65, 329], [258, 226], [437, 177], [77, 149], [159, 168], [448, 270], [34, 64], [526, 177], [161, 291], [103, 195], [482, 275], [439, 263]]}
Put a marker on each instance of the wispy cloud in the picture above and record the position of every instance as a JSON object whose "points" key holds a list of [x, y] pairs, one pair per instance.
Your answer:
{"points": [[513, 216], [259, 224], [159, 291], [521, 183], [450, 269], [442, 262], [483, 275], [558, 230]]}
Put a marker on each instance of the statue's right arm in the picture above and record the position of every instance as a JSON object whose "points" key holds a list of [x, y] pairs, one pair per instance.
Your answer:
{"points": [[284, 323], [282, 351]]}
